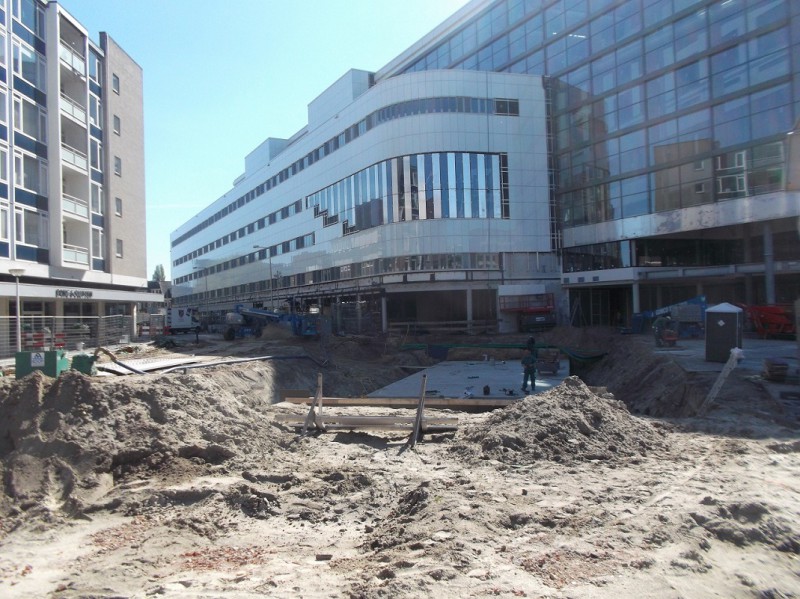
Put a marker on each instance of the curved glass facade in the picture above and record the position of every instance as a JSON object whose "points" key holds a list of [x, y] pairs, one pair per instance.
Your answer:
{"points": [[417, 187]]}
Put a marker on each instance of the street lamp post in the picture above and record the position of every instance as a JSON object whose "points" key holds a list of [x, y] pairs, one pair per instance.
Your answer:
{"points": [[17, 273], [271, 280]]}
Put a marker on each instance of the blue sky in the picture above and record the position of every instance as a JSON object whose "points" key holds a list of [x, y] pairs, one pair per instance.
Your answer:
{"points": [[220, 77]]}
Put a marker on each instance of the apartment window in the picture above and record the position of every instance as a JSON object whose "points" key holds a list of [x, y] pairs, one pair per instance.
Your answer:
{"points": [[117, 165], [31, 227], [95, 155], [115, 83], [117, 125], [98, 243], [30, 119], [119, 248], [30, 14], [95, 111], [3, 163], [97, 199], [30, 65], [118, 206], [30, 173], [2, 48], [4, 212], [94, 67]]}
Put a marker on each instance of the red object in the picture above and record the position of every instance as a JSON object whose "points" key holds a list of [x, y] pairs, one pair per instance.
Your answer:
{"points": [[669, 337], [771, 321]]}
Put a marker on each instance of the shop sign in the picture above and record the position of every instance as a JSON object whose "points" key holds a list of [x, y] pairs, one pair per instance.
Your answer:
{"points": [[73, 294]]}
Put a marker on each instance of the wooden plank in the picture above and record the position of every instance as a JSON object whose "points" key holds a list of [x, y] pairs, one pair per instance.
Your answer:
{"points": [[365, 420], [409, 402], [374, 422], [433, 428]]}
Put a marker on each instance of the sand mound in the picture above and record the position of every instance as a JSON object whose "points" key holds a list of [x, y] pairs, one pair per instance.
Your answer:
{"points": [[568, 423], [66, 442]]}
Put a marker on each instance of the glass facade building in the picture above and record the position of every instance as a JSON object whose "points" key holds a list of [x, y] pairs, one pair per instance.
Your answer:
{"points": [[671, 126], [670, 147]]}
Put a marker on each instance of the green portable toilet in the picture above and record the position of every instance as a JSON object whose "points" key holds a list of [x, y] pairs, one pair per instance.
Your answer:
{"points": [[51, 363]]}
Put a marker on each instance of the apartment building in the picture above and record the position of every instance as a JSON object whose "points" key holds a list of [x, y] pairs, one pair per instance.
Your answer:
{"points": [[656, 161], [72, 197]]}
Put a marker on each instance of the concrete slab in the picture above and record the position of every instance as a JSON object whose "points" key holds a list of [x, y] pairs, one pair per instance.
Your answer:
{"points": [[460, 379], [691, 354]]}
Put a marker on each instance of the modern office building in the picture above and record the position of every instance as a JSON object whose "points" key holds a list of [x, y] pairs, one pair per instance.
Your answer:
{"points": [[621, 155], [72, 197]]}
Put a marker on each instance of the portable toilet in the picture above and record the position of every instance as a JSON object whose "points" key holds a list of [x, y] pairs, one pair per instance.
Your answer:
{"points": [[724, 326]]}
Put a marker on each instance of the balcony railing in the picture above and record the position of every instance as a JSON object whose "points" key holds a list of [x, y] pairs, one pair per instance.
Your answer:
{"points": [[75, 205], [74, 157], [76, 254], [73, 109], [72, 59]]}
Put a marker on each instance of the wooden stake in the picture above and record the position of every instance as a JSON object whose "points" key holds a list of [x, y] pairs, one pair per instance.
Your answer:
{"points": [[420, 409], [312, 415]]}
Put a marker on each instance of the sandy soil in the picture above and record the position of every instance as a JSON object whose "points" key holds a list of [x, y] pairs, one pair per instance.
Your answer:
{"points": [[184, 485]]}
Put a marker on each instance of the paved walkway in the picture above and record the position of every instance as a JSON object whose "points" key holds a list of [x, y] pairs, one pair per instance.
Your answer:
{"points": [[460, 379]]}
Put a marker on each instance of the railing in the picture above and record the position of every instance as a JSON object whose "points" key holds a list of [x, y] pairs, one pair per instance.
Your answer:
{"points": [[75, 205], [469, 327], [72, 59], [72, 108], [75, 254], [74, 157], [71, 333]]}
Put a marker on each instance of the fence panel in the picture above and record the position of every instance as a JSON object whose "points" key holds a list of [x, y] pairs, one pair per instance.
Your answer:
{"points": [[41, 333]]}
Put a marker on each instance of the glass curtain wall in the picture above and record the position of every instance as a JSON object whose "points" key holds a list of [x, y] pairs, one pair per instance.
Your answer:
{"points": [[657, 104]]}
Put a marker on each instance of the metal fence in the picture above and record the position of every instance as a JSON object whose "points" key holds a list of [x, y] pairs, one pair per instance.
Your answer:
{"points": [[42, 333]]}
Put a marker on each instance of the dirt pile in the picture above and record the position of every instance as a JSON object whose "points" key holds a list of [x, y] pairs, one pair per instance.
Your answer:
{"points": [[65, 442], [565, 424]]}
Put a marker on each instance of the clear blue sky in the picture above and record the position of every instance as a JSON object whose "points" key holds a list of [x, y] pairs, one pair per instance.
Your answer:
{"points": [[220, 77]]}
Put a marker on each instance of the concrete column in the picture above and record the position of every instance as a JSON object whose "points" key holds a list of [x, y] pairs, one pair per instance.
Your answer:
{"points": [[358, 313], [749, 293], [384, 315], [469, 309], [635, 297], [769, 265]]}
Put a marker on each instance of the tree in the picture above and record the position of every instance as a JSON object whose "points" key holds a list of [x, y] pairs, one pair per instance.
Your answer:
{"points": [[158, 274]]}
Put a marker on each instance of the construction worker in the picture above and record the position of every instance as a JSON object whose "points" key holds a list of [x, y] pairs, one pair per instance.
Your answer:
{"points": [[529, 371], [659, 325]]}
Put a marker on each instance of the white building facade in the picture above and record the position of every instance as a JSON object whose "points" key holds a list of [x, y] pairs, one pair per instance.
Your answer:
{"points": [[72, 199], [396, 200]]}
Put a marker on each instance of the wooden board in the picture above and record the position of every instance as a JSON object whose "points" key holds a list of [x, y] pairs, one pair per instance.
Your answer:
{"points": [[453, 403], [332, 421]]}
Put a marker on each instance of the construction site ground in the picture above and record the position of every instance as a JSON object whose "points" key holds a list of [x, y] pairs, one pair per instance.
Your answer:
{"points": [[615, 479]]}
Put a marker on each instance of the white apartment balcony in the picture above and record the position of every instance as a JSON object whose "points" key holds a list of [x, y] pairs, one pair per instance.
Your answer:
{"points": [[73, 206], [74, 157], [73, 109], [72, 59], [75, 254]]}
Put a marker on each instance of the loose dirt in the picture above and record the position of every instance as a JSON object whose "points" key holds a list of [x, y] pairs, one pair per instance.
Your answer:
{"points": [[186, 485]]}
